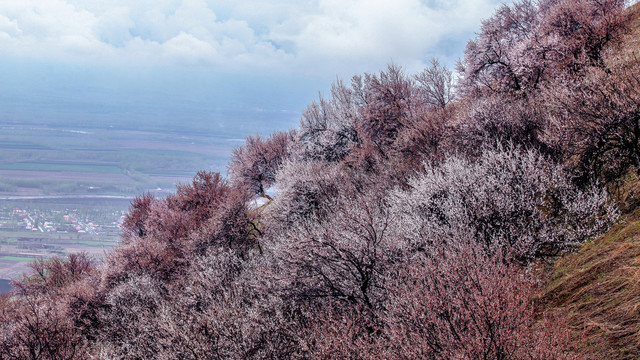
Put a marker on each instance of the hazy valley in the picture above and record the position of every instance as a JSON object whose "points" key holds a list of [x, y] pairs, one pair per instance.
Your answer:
{"points": [[91, 169]]}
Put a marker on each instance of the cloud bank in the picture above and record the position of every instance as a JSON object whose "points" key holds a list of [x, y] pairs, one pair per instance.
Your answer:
{"points": [[251, 35]]}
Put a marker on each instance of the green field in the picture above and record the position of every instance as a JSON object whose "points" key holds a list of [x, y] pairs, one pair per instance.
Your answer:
{"points": [[16, 258], [61, 166], [13, 145], [96, 243]]}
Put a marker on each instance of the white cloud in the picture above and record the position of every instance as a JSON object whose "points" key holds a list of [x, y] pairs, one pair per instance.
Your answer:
{"points": [[186, 48], [9, 26], [377, 31], [284, 35], [114, 25]]}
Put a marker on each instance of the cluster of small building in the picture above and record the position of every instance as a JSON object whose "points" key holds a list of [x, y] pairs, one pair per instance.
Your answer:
{"points": [[69, 221]]}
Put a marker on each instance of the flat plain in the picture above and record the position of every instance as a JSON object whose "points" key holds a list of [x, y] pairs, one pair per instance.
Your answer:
{"points": [[65, 188], [40, 159]]}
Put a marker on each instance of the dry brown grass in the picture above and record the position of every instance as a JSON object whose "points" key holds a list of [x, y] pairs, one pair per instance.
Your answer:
{"points": [[599, 288], [599, 285]]}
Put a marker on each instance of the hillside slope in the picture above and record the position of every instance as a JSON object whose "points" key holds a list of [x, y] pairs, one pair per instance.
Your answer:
{"points": [[599, 285]]}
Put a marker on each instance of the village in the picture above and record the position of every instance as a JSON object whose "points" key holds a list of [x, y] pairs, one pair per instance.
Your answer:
{"points": [[60, 221], [29, 231]]}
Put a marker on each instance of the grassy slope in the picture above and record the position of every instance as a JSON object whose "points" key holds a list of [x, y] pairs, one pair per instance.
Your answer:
{"points": [[599, 285]]}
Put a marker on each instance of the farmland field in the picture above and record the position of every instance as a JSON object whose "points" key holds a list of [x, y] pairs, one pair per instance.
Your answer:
{"points": [[48, 159]]}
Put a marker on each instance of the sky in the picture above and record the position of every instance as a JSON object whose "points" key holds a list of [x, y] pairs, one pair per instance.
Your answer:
{"points": [[216, 61]]}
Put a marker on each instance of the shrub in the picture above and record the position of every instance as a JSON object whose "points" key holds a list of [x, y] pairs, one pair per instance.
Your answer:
{"points": [[596, 121], [497, 118], [37, 327], [508, 200], [457, 302], [50, 276], [341, 256], [254, 165], [503, 56]]}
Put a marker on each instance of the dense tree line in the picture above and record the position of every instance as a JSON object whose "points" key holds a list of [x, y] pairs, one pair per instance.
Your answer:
{"points": [[407, 215]]}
